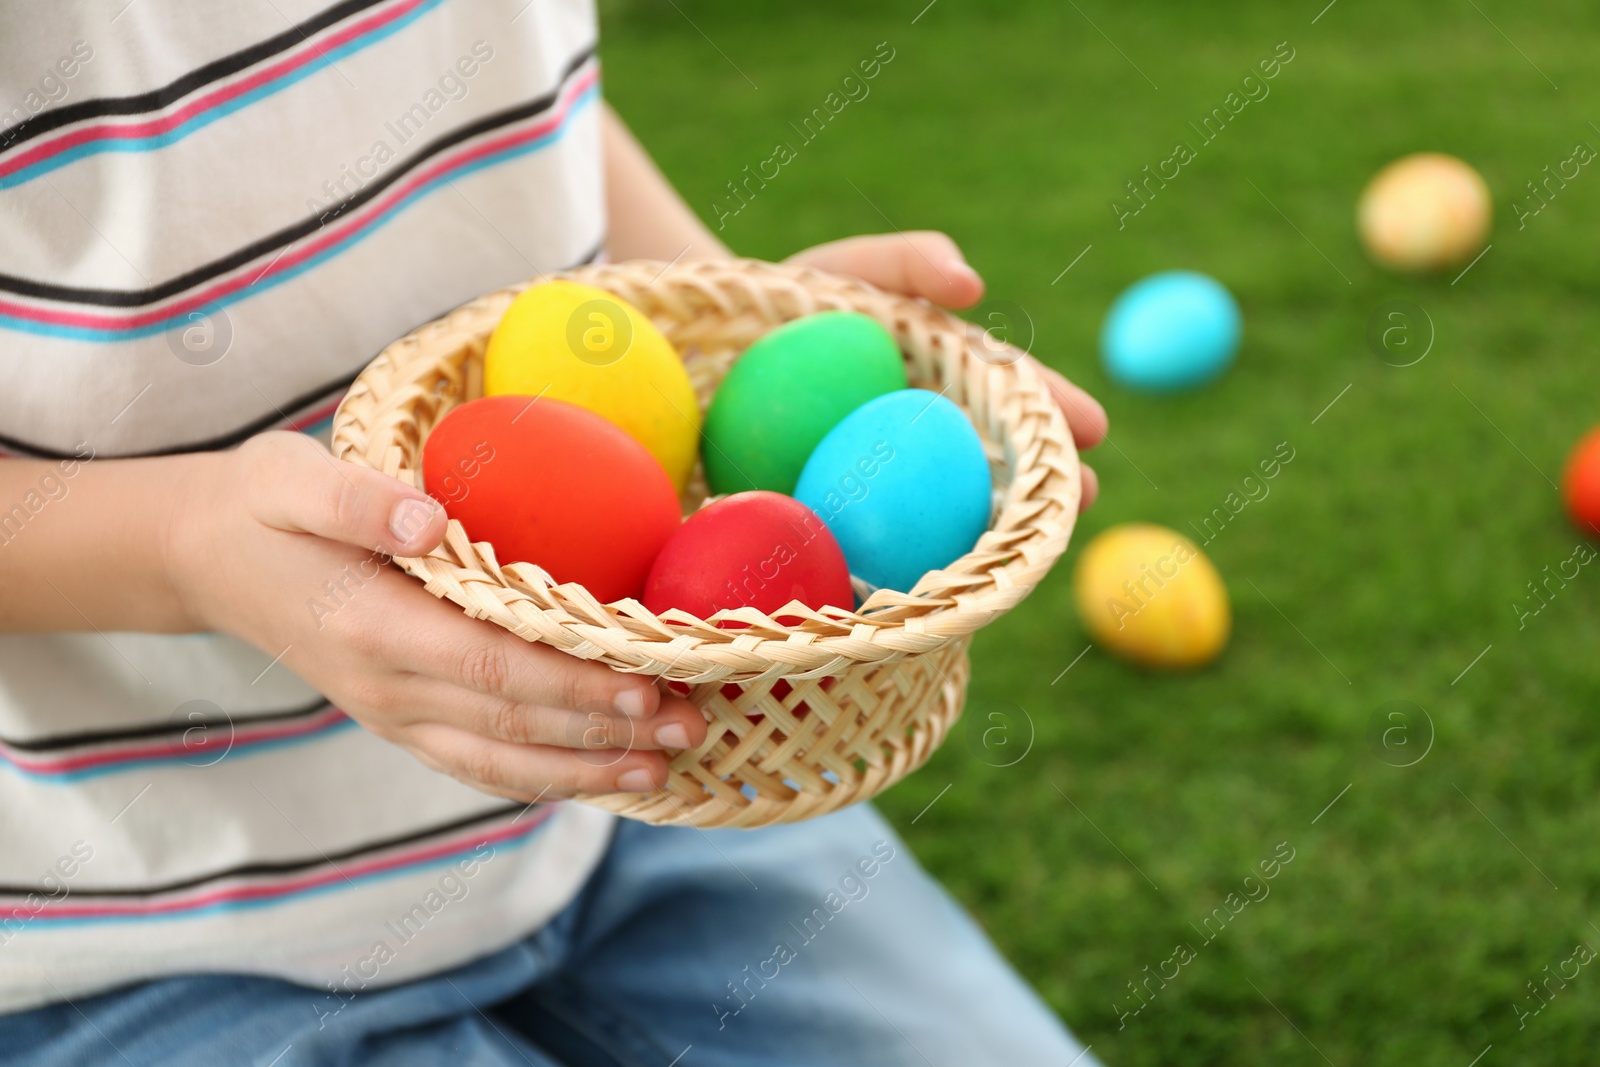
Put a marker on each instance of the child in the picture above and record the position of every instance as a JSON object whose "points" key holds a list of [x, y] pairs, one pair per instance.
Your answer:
{"points": [[239, 829]]}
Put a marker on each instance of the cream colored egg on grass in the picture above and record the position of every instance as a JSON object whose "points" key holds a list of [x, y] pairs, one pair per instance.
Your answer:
{"points": [[1424, 212]]}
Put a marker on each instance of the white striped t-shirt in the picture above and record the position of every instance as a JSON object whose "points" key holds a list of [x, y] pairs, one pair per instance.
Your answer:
{"points": [[211, 217]]}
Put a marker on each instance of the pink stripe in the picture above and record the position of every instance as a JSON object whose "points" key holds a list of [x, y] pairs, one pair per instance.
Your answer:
{"points": [[217, 97], [310, 881], [332, 236], [244, 735], [324, 412]]}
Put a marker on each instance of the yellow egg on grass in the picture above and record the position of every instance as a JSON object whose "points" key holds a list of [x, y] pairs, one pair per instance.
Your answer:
{"points": [[1424, 212], [580, 344], [1149, 595]]}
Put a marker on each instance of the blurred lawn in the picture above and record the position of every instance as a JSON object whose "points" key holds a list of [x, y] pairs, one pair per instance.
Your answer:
{"points": [[1392, 548]]}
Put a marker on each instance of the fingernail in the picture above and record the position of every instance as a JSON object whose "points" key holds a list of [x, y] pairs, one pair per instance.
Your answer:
{"points": [[630, 702], [673, 735], [409, 518], [637, 780]]}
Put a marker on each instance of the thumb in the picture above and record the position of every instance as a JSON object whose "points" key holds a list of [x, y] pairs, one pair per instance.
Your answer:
{"points": [[293, 483]]}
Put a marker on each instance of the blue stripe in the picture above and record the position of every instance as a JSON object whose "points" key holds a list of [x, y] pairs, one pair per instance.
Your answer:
{"points": [[320, 426], [249, 748], [206, 118], [298, 895], [83, 333]]}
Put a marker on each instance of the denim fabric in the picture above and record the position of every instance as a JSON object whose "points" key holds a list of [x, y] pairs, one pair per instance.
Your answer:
{"points": [[817, 943]]}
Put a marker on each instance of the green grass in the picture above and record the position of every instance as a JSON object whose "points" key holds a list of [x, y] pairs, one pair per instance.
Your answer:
{"points": [[1414, 512]]}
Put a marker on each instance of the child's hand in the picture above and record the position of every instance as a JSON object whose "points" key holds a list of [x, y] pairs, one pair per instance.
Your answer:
{"points": [[283, 545], [929, 264], [649, 220]]}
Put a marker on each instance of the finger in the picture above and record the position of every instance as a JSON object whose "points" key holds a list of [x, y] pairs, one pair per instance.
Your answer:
{"points": [[1091, 487], [920, 263], [677, 724], [439, 642], [533, 770], [468, 654], [1085, 417], [294, 484]]}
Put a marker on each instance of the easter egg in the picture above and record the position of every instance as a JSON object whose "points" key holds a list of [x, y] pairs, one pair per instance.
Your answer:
{"points": [[564, 341], [1580, 485], [1149, 595], [1170, 331], [755, 549], [904, 485], [553, 484], [1424, 212], [788, 390]]}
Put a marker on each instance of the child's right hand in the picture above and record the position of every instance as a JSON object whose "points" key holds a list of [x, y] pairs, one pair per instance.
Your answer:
{"points": [[282, 545]]}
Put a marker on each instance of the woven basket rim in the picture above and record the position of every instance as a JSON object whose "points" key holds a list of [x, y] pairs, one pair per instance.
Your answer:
{"points": [[1032, 524]]}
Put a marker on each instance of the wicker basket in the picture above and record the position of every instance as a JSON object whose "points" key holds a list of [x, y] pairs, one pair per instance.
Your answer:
{"points": [[804, 719]]}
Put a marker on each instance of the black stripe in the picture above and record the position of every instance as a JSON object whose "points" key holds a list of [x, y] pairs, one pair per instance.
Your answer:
{"points": [[249, 870], [214, 444], [156, 99], [289, 234], [57, 742], [250, 429]]}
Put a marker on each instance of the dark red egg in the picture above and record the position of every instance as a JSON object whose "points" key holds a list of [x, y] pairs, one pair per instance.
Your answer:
{"points": [[552, 484], [758, 549]]}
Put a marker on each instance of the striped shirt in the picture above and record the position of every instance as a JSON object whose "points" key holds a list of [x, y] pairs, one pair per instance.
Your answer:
{"points": [[211, 217]]}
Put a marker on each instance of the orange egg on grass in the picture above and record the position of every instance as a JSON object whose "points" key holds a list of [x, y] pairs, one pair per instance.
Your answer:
{"points": [[1580, 484], [1424, 212], [553, 484], [1149, 595]]}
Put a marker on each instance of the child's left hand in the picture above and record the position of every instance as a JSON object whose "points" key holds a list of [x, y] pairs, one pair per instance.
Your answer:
{"points": [[929, 264]]}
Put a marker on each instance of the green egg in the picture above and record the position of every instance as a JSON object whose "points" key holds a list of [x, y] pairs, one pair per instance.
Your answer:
{"points": [[787, 391]]}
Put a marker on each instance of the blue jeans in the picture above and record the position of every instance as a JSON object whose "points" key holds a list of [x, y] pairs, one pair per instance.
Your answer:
{"points": [[817, 943]]}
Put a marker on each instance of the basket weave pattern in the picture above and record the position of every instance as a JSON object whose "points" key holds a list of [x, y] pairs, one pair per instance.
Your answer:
{"points": [[804, 718]]}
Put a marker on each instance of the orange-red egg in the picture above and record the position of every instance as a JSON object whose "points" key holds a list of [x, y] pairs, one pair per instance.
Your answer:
{"points": [[758, 549], [552, 484], [1580, 485]]}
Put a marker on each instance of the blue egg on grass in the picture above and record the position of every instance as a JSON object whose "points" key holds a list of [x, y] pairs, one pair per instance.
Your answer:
{"points": [[1170, 331], [903, 484]]}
